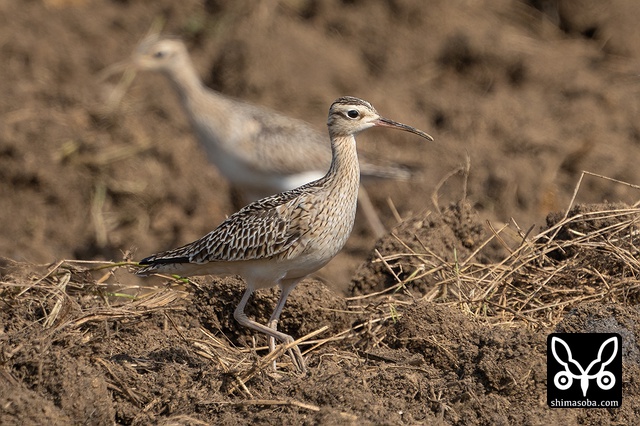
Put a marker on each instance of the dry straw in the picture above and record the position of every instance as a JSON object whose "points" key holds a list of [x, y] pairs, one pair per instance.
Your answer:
{"points": [[589, 254]]}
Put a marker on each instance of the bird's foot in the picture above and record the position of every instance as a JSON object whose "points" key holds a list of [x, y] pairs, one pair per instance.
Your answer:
{"points": [[293, 351]]}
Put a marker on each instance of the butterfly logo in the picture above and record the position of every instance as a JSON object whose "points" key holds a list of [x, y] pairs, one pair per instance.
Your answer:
{"points": [[573, 370]]}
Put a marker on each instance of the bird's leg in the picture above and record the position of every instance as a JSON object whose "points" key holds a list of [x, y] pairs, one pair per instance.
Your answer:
{"points": [[275, 316], [370, 213], [242, 318], [285, 290]]}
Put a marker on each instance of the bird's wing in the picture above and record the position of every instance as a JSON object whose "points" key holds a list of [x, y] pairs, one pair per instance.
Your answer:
{"points": [[284, 145], [261, 230]]}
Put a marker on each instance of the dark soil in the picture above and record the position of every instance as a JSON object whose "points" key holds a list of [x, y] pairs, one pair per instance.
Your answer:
{"points": [[521, 97]]}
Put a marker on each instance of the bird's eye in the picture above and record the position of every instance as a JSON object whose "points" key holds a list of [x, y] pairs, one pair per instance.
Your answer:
{"points": [[352, 113], [159, 54]]}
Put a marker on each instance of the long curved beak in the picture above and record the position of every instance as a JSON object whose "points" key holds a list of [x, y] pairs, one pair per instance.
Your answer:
{"points": [[117, 68], [385, 122]]}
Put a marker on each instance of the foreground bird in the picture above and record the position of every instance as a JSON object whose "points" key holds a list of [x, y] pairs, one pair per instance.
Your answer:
{"points": [[280, 239], [260, 151]]}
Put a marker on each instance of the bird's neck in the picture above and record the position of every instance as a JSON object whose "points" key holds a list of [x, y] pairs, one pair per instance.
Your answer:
{"points": [[186, 81], [344, 164], [207, 110]]}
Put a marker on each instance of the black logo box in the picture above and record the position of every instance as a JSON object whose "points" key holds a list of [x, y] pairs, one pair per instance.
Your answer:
{"points": [[584, 370]]}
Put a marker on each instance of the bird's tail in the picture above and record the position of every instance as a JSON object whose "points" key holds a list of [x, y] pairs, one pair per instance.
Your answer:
{"points": [[160, 263], [385, 171]]}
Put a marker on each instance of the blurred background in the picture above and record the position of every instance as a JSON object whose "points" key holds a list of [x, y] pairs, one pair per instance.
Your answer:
{"points": [[521, 97]]}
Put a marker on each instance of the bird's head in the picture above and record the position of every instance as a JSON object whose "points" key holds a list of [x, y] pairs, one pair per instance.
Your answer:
{"points": [[349, 116], [157, 53]]}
